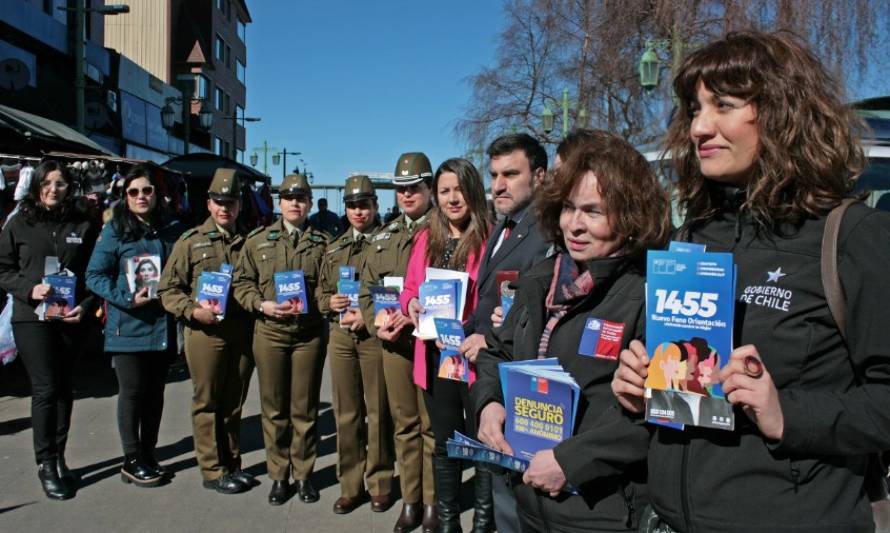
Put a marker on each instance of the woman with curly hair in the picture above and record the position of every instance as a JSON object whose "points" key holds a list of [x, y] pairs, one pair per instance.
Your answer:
{"points": [[50, 230], [590, 209], [765, 148]]}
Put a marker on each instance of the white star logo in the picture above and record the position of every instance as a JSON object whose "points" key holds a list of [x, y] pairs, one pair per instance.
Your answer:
{"points": [[773, 277]]}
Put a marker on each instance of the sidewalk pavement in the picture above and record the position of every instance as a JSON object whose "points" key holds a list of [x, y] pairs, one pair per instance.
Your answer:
{"points": [[104, 503]]}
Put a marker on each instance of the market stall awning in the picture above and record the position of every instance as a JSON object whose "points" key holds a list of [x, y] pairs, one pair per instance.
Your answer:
{"points": [[203, 165], [29, 134]]}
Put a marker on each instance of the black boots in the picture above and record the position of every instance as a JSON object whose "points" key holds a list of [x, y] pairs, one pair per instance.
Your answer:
{"points": [[138, 472], [447, 475], [483, 516], [53, 486]]}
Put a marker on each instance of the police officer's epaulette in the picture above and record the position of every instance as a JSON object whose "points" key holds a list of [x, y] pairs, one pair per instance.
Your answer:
{"points": [[256, 231], [393, 227], [188, 233], [317, 238], [273, 235]]}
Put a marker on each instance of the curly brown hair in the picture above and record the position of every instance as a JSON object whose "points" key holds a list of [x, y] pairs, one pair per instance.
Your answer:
{"points": [[809, 148], [637, 206]]}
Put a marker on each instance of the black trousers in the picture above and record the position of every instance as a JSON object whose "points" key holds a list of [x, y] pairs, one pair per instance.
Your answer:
{"points": [[141, 377], [48, 351], [448, 404]]}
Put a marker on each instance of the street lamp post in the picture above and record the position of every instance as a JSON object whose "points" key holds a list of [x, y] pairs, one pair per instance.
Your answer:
{"points": [[276, 157], [265, 149], [548, 119], [205, 115], [80, 83], [650, 62], [235, 118]]}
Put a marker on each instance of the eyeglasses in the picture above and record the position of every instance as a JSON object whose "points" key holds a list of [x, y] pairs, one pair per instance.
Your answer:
{"points": [[146, 191], [57, 185]]}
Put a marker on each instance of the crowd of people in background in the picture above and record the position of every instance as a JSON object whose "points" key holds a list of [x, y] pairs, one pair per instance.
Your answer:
{"points": [[764, 149]]}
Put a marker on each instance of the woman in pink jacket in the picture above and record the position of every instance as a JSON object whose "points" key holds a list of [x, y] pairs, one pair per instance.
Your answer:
{"points": [[455, 240]]}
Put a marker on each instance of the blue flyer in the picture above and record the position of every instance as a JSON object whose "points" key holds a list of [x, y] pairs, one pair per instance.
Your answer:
{"points": [[226, 268], [452, 364], [349, 288], [439, 299], [347, 273], [686, 247], [690, 304], [541, 401], [213, 292], [61, 299], [290, 287], [386, 303]]}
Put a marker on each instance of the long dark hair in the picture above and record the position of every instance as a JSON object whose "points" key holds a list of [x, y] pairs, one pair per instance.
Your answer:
{"points": [[124, 222], [70, 208], [473, 238], [809, 139]]}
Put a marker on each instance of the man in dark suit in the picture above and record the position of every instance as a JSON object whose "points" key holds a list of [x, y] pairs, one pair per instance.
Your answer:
{"points": [[518, 164]]}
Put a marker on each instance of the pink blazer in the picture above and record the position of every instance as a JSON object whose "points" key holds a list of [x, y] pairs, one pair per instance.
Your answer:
{"points": [[414, 277]]}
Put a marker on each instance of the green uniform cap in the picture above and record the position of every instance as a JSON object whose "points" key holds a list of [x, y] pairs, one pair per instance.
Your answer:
{"points": [[412, 168], [358, 188], [226, 185], [295, 183]]}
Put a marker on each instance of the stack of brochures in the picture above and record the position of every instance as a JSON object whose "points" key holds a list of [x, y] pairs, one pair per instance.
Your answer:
{"points": [[462, 447], [213, 290], [439, 298], [541, 400], [690, 305]]}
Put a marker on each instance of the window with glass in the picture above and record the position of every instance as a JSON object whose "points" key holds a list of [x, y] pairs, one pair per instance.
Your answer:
{"points": [[239, 111], [220, 49], [218, 146], [218, 100], [242, 31], [203, 87], [241, 71]]}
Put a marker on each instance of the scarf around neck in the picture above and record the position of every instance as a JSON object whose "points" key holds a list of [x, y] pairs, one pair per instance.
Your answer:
{"points": [[567, 288]]}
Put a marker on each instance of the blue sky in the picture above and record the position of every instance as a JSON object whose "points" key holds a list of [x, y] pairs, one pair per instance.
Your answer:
{"points": [[354, 84]]}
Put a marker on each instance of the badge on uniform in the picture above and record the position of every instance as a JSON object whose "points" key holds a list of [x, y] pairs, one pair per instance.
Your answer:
{"points": [[73, 239], [601, 338]]}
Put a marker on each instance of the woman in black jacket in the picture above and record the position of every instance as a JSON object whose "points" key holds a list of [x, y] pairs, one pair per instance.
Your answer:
{"points": [[764, 148], [582, 307], [51, 232]]}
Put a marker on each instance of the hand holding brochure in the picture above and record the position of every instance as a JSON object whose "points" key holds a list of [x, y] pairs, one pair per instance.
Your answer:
{"points": [[504, 278], [290, 287], [144, 271], [349, 288], [213, 290], [386, 303], [61, 299], [452, 364], [541, 400], [690, 301]]}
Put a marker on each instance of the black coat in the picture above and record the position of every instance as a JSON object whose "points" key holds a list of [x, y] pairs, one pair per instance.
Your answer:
{"points": [[523, 249], [24, 246], [609, 504]]}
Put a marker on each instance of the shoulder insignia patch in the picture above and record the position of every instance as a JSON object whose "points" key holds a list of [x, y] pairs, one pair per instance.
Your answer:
{"points": [[382, 236], [189, 233], [273, 235], [213, 234], [393, 227], [316, 238], [254, 232]]}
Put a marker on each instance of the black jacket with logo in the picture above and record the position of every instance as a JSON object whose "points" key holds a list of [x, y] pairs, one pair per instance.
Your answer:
{"points": [[612, 503], [834, 397], [24, 247]]}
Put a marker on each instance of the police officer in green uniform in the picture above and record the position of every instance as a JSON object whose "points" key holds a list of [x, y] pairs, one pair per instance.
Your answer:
{"points": [[356, 364], [288, 344], [218, 352], [388, 255]]}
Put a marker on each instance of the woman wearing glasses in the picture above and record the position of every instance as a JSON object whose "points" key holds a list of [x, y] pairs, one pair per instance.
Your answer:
{"points": [[50, 231], [139, 335]]}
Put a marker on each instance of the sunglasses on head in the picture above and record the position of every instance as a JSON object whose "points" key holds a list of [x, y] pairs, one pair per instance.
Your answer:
{"points": [[146, 191]]}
